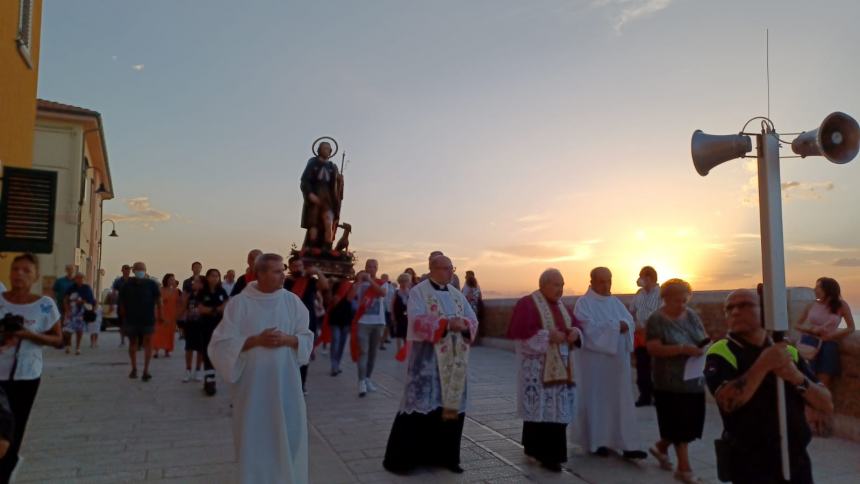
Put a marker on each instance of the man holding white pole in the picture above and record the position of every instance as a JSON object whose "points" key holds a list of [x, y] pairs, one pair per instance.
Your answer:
{"points": [[742, 372]]}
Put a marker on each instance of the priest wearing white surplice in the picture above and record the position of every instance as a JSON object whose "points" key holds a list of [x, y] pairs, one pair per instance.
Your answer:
{"points": [[606, 415], [429, 423], [545, 333], [258, 348]]}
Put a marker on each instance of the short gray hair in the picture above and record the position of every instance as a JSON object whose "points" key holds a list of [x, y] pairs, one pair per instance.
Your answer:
{"points": [[404, 278], [547, 274], [261, 263]]}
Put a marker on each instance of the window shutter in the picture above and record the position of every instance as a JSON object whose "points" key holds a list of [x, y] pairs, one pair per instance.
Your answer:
{"points": [[27, 210]]}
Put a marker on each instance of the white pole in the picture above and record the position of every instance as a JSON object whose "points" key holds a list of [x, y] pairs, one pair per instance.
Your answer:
{"points": [[773, 265]]}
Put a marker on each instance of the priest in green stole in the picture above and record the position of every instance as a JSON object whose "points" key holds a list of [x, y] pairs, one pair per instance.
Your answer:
{"points": [[546, 333], [429, 423]]}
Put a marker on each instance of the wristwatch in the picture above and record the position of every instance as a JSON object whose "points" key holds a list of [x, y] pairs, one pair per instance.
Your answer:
{"points": [[803, 386]]}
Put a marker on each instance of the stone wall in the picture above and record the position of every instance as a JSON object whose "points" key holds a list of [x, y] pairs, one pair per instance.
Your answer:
{"points": [[709, 305]]}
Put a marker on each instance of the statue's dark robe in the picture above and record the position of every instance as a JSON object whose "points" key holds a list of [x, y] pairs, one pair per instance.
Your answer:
{"points": [[321, 179]]}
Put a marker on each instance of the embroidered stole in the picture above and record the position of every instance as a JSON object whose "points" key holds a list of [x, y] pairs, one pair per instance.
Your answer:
{"points": [[452, 354], [556, 371]]}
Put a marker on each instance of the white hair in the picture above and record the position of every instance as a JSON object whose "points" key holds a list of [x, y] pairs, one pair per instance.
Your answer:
{"points": [[547, 275], [261, 263]]}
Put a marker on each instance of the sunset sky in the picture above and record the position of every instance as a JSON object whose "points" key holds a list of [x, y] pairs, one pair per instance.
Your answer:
{"points": [[512, 135]]}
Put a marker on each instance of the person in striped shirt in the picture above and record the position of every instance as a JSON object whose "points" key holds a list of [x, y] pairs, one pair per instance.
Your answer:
{"points": [[646, 301]]}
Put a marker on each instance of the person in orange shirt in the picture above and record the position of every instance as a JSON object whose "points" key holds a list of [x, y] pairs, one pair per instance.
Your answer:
{"points": [[165, 330]]}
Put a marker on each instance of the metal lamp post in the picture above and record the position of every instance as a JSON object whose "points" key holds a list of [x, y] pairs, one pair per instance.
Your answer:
{"points": [[101, 234], [838, 140]]}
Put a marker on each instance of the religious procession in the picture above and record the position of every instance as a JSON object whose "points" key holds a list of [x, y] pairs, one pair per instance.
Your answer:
{"points": [[326, 335], [259, 333]]}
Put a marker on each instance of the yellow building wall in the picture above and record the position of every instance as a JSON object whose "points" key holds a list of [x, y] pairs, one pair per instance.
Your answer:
{"points": [[18, 83]]}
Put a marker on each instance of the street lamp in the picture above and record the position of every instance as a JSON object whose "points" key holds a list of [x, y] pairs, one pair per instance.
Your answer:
{"points": [[113, 227], [838, 140], [101, 233]]}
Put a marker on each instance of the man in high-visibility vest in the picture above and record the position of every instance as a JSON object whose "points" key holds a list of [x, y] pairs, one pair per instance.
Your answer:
{"points": [[741, 372]]}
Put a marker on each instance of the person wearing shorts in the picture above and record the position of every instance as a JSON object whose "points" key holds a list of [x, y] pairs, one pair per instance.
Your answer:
{"points": [[95, 327], [139, 299], [192, 330]]}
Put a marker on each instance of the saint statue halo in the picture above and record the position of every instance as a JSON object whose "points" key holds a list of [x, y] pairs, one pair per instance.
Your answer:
{"points": [[321, 139]]}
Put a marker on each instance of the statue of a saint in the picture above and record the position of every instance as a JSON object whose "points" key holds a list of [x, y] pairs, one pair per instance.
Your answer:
{"points": [[322, 188]]}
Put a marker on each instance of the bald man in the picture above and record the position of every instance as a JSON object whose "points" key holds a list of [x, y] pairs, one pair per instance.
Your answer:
{"points": [[741, 372], [249, 275], [545, 333], [606, 415]]}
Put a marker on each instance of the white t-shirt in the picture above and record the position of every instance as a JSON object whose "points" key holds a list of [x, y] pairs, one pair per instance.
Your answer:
{"points": [[375, 313], [39, 316], [2, 287]]}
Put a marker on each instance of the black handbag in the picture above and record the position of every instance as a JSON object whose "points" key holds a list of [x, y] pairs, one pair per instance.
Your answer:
{"points": [[723, 448], [90, 316]]}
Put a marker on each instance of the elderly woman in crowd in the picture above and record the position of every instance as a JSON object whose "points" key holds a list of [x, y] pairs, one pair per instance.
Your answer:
{"points": [[674, 333]]}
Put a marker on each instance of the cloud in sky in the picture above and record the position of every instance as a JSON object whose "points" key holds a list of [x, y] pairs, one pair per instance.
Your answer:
{"points": [[541, 252], [140, 212], [849, 262], [820, 248], [791, 191], [631, 10], [794, 190], [137, 67]]}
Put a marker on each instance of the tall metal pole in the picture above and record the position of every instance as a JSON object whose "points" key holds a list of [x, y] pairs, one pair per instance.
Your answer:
{"points": [[773, 265]]}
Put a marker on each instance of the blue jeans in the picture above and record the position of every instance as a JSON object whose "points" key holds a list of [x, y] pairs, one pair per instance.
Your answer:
{"points": [[338, 342]]}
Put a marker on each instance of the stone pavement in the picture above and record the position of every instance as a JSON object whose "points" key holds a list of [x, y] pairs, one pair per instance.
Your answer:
{"points": [[92, 424]]}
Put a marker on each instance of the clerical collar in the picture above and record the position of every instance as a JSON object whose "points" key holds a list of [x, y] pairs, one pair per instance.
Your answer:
{"points": [[437, 286]]}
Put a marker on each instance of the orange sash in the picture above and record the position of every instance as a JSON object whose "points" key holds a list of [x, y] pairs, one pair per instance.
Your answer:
{"points": [[299, 287], [325, 335], [366, 300]]}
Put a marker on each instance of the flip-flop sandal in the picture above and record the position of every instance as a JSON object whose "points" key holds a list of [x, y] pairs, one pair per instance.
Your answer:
{"points": [[663, 459]]}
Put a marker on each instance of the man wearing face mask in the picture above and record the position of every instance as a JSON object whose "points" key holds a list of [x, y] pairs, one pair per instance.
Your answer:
{"points": [[139, 303], [646, 301]]}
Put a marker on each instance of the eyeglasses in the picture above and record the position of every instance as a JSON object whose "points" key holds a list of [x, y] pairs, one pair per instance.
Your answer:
{"points": [[741, 305]]}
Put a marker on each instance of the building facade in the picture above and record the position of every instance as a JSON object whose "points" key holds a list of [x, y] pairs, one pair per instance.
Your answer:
{"points": [[70, 141], [20, 28]]}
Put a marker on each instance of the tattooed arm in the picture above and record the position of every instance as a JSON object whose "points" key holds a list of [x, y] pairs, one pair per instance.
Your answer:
{"points": [[734, 394]]}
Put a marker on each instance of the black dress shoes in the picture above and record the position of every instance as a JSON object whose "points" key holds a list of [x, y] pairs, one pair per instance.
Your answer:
{"points": [[634, 454], [601, 452]]}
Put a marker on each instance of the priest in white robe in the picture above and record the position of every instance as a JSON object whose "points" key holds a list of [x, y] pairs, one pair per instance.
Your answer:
{"points": [[258, 348], [429, 423], [606, 415], [545, 333]]}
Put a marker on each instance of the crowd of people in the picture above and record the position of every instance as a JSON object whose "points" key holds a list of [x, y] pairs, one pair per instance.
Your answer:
{"points": [[260, 332]]}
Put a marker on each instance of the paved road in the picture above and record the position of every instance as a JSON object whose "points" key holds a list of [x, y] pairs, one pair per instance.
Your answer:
{"points": [[92, 424]]}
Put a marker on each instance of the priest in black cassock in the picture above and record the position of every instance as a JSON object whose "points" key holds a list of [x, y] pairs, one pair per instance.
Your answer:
{"points": [[429, 423]]}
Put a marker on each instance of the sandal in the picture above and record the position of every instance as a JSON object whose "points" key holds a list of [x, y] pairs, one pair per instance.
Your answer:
{"points": [[687, 477], [663, 459]]}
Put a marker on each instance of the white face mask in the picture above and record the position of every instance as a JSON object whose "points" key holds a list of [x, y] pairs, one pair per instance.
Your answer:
{"points": [[140, 274]]}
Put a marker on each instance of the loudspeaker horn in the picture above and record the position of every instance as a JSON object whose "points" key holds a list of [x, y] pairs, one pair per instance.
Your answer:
{"points": [[837, 139], [710, 150]]}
